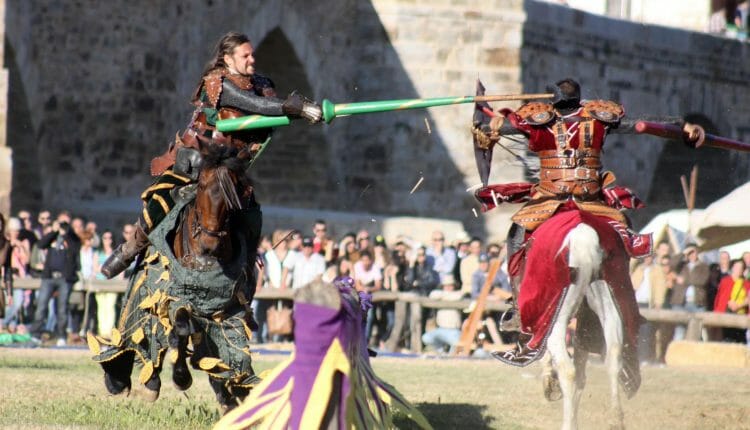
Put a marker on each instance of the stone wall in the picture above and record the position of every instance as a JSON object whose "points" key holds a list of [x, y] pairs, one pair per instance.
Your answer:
{"points": [[652, 71], [98, 89]]}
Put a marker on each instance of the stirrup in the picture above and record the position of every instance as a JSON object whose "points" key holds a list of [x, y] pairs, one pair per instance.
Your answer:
{"points": [[512, 324], [115, 265]]}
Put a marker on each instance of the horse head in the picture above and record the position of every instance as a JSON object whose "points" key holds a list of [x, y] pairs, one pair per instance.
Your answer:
{"points": [[221, 183]]}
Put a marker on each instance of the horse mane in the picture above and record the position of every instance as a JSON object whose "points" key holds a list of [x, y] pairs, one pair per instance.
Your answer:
{"points": [[225, 160], [215, 156]]}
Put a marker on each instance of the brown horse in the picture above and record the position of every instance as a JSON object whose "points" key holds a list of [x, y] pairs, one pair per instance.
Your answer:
{"points": [[203, 240], [206, 256]]}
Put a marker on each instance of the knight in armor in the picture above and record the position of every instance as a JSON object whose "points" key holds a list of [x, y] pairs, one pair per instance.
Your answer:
{"points": [[568, 135], [228, 88]]}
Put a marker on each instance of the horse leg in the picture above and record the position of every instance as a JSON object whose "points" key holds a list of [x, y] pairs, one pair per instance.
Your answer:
{"points": [[117, 373], [580, 357], [603, 304], [584, 260], [558, 350], [178, 339], [226, 400], [152, 387], [550, 381]]}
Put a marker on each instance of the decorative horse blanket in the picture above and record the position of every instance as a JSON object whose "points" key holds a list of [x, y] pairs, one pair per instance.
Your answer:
{"points": [[216, 299]]}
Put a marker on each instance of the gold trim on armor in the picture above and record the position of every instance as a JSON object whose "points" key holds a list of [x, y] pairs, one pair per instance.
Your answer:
{"points": [[147, 218], [157, 187], [175, 175], [162, 202]]}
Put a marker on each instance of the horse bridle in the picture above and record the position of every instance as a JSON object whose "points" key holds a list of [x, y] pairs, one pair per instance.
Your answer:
{"points": [[198, 228]]}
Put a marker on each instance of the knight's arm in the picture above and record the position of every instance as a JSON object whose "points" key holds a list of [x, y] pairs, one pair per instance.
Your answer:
{"points": [[499, 126], [627, 125], [295, 105]]}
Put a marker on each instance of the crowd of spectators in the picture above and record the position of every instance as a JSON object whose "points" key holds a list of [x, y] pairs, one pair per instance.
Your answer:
{"points": [[438, 270], [683, 281], [63, 252]]}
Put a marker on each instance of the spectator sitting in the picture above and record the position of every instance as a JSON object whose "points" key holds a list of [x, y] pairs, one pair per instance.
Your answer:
{"points": [[448, 321]]}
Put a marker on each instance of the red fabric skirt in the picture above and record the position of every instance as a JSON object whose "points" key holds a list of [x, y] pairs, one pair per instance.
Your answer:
{"points": [[546, 275]]}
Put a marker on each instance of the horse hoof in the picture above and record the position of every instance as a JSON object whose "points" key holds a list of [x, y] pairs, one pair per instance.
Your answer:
{"points": [[115, 387], [225, 409], [181, 377], [148, 395], [552, 391]]}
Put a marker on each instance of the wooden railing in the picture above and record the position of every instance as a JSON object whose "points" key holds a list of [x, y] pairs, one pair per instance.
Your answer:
{"points": [[695, 321]]}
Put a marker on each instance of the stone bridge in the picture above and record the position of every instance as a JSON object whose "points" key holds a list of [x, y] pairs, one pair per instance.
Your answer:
{"points": [[96, 89]]}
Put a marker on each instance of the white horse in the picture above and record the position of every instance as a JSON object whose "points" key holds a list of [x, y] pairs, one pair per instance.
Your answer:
{"points": [[564, 376]]}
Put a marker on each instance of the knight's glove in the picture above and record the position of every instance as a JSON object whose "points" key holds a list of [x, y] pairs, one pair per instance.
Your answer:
{"points": [[299, 106], [695, 135], [486, 135]]}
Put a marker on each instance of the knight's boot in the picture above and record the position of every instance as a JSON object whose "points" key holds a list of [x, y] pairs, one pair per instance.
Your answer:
{"points": [[125, 253], [516, 239], [512, 324]]}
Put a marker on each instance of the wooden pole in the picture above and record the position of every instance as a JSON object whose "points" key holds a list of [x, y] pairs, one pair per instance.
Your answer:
{"points": [[471, 326]]}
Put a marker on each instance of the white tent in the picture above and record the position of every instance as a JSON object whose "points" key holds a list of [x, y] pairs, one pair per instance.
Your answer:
{"points": [[727, 220], [673, 225]]}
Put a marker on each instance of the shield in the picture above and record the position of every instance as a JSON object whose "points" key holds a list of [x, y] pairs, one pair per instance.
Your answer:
{"points": [[483, 157]]}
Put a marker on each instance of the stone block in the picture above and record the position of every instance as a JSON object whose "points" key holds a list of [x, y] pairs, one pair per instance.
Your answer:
{"points": [[713, 354], [501, 57]]}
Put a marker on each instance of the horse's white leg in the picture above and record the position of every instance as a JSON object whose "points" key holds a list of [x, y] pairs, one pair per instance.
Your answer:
{"points": [[558, 350], [580, 357], [550, 382], [584, 259], [602, 303]]}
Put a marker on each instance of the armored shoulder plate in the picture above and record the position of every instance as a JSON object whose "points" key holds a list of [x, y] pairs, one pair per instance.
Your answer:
{"points": [[536, 113], [604, 110], [212, 82], [242, 82]]}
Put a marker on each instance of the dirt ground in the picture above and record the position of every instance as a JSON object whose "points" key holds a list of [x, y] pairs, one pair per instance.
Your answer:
{"points": [[62, 388]]}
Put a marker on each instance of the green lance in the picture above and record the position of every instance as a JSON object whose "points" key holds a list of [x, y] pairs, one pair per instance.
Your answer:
{"points": [[332, 110]]}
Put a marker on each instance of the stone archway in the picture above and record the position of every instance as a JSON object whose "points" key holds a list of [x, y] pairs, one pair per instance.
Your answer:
{"points": [[715, 176], [296, 164], [26, 191]]}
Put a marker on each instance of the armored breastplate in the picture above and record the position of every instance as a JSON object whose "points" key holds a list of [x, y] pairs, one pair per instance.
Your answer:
{"points": [[569, 171]]}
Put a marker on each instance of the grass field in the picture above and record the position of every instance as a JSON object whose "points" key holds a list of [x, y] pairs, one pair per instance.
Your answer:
{"points": [[62, 388]]}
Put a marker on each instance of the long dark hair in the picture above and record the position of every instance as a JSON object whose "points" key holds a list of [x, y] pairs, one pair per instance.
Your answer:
{"points": [[225, 46]]}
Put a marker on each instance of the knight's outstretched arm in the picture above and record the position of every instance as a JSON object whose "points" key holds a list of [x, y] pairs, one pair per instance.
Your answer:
{"points": [[497, 127], [294, 105], [627, 125]]}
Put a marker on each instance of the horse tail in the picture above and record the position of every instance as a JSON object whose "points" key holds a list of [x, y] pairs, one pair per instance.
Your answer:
{"points": [[584, 252]]}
